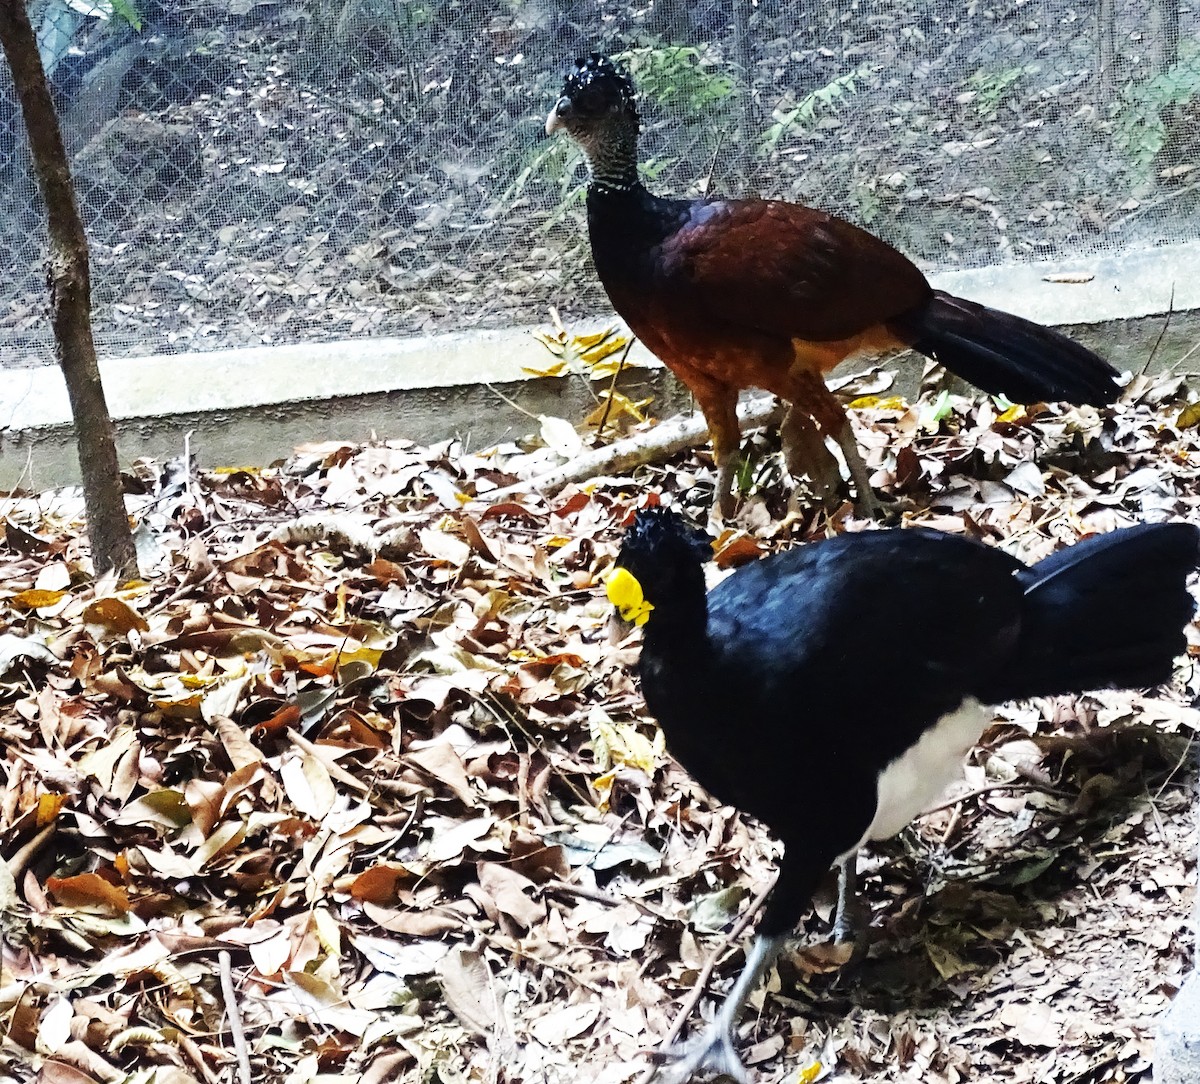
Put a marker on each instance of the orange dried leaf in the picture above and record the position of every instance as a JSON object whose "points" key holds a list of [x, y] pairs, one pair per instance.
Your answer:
{"points": [[114, 616], [386, 572], [287, 716], [379, 884], [737, 550], [88, 890]]}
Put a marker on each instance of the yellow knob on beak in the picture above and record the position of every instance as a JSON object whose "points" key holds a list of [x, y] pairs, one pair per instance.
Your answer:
{"points": [[625, 593]]}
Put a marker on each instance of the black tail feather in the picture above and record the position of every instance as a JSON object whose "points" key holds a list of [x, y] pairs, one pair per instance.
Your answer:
{"points": [[1108, 612], [1007, 355]]}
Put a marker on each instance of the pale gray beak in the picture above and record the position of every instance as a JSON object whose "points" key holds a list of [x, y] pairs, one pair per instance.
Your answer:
{"points": [[555, 121]]}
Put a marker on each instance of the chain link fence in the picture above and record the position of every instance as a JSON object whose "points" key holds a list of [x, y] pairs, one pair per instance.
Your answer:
{"points": [[271, 171]]}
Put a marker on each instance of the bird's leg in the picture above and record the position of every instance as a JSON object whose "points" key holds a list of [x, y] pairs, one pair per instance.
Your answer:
{"points": [[809, 387], [718, 404], [805, 452], [865, 499], [845, 928], [713, 1050], [724, 498]]}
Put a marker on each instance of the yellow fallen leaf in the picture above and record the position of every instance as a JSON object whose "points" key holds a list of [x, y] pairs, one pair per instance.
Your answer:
{"points": [[179, 707], [876, 402], [114, 616], [603, 785], [48, 807], [1013, 414], [34, 599], [368, 656], [587, 342], [621, 405], [807, 1076], [1189, 417], [557, 368], [197, 681], [622, 744]]}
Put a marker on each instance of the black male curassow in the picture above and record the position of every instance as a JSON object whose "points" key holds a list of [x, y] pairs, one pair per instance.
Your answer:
{"points": [[832, 690], [754, 293]]}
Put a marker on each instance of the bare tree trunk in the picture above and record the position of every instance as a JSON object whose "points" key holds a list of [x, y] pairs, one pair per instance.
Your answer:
{"points": [[70, 300]]}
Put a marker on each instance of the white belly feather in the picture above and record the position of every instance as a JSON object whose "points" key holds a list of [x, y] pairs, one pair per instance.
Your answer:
{"points": [[914, 781]]}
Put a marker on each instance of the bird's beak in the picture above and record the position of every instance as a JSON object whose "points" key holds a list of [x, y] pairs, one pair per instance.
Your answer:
{"points": [[618, 629], [558, 115], [630, 608]]}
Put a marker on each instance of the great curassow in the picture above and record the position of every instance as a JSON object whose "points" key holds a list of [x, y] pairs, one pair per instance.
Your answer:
{"points": [[734, 294], [833, 689]]}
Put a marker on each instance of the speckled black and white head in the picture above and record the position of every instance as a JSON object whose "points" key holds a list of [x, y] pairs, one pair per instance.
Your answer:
{"points": [[596, 108]]}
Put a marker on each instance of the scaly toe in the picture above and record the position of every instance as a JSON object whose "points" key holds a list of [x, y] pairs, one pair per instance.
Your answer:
{"points": [[712, 1053]]}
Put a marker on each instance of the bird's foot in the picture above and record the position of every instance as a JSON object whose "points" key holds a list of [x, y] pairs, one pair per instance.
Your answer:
{"points": [[711, 1053], [868, 506]]}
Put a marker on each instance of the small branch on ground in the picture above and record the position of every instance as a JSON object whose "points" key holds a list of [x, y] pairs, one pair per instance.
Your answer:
{"points": [[653, 446], [233, 1014]]}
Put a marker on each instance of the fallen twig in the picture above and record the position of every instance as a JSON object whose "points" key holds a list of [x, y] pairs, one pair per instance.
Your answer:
{"points": [[235, 1018], [663, 441]]}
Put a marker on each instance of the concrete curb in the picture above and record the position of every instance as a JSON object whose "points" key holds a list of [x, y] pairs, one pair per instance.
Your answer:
{"points": [[252, 406]]}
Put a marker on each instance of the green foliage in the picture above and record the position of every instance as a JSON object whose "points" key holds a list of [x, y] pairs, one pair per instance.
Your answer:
{"points": [[123, 9], [676, 76], [1139, 128], [868, 201], [991, 88], [804, 116]]}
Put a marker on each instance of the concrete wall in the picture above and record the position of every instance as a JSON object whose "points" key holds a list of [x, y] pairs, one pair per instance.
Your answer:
{"points": [[252, 406]]}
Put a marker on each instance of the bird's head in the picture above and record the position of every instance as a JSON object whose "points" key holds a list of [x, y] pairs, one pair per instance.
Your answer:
{"points": [[660, 566], [596, 107]]}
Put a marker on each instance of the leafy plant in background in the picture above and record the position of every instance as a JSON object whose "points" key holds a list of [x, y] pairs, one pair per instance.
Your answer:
{"points": [[675, 76], [991, 88], [805, 114], [1140, 126]]}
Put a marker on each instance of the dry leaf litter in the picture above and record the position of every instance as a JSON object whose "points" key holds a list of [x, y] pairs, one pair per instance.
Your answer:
{"points": [[355, 771]]}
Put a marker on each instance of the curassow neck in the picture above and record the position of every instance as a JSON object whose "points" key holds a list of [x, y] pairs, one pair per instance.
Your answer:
{"points": [[680, 615], [612, 160]]}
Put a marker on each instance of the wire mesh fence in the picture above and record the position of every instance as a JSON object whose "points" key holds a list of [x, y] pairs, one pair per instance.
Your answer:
{"points": [[269, 171]]}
